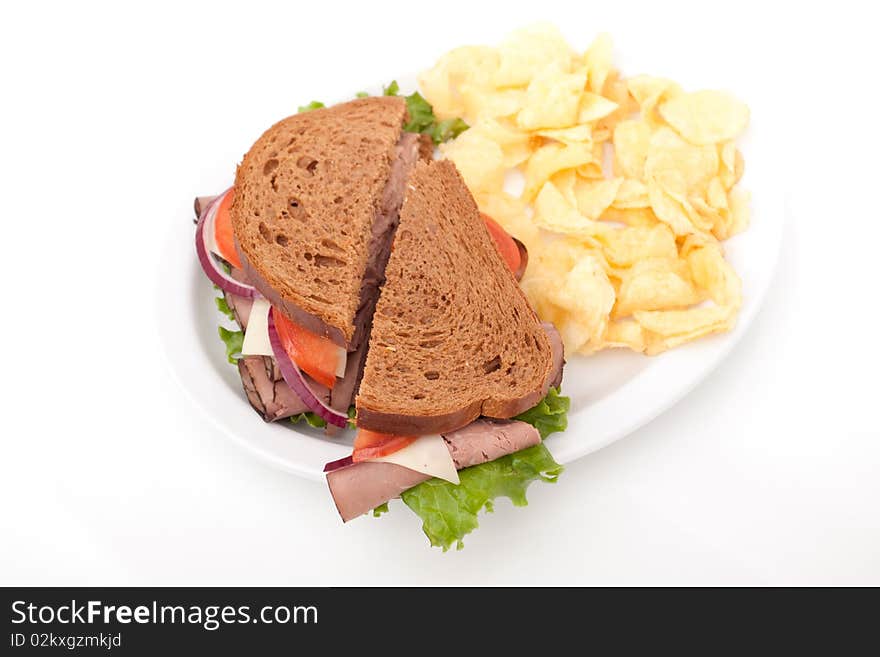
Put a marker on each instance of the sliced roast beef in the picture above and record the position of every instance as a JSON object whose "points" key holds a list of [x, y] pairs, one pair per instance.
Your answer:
{"points": [[342, 394], [240, 306], [267, 391], [406, 154], [360, 487], [485, 440], [200, 203], [558, 354]]}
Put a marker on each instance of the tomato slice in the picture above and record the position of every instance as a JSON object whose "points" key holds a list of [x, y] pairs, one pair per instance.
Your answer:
{"points": [[506, 246], [223, 232], [372, 444], [314, 354]]}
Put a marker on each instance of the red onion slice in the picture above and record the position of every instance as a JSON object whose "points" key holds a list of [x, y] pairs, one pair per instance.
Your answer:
{"points": [[338, 464], [294, 378], [213, 269]]}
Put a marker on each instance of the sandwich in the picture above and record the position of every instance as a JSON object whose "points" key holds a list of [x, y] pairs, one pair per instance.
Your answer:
{"points": [[371, 293]]}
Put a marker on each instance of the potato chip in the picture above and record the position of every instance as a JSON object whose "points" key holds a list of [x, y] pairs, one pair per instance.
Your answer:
{"points": [[501, 132], [575, 333], [549, 159], [674, 327], [565, 181], [692, 242], [628, 246], [603, 153], [705, 117], [598, 62], [732, 165], [587, 293], [669, 210], [648, 92], [632, 140], [636, 217], [591, 171], [711, 272], [632, 194], [624, 333], [601, 135], [703, 215], [473, 65], [736, 218], [479, 160], [595, 196], [696, 165], [515, 144], [715, 194], [616, 91], [479, 103], [527, 52], [740, 216], [554, 213], [593, 107], [655, 284], [552, 99], [575, 134]]}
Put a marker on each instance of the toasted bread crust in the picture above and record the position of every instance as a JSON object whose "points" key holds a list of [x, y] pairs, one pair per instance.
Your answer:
{"points": [[306, 196], [453, 336]]}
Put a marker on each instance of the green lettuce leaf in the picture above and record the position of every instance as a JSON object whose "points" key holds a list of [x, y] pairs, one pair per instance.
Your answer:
{"points": [[312, 419], [550, 415], [449, 512], [315, 420], [446, 130], [224, 308], [315, 104], [421, 114], [233, 341], [379, 510], [422, 119]]}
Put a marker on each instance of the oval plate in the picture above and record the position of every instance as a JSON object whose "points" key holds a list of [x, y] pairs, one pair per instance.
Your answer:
{"points": [[612, 393]]}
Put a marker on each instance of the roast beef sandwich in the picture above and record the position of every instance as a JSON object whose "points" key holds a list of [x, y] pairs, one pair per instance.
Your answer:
{"points": [[370, 292]]}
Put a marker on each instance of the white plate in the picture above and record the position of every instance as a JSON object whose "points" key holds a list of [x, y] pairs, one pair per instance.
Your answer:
{"points": [[612, 393]]}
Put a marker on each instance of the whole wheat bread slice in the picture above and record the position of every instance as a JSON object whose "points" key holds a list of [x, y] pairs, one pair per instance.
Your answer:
{"points": [[453, 335], [306, 197]]}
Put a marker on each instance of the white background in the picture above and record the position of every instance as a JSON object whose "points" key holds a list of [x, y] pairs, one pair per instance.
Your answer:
{"points": [[114, 117]]}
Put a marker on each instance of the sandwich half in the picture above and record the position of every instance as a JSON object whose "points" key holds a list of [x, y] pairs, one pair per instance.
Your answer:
{"points": [[456, 352], [312, 214]]}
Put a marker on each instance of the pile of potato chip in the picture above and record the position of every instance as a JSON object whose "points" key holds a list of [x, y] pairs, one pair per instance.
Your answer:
{"points": [[630, 186]]}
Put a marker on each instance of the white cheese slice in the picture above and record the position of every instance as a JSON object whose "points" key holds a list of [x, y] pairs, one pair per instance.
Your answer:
{"points": [[256, 337], [341, 359], [427, 454], [212, 244]]}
